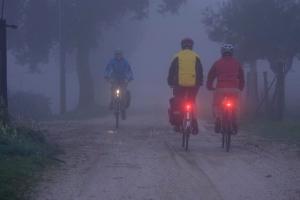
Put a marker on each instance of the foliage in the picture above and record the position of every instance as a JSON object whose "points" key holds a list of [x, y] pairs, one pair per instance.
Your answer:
{"points": [[23, 153], [37, 32], [286, 131], [82, 21], [261, 29], [29, 106]]}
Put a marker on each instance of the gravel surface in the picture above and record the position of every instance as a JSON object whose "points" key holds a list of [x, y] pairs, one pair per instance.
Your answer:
{"points": [[143, 160]]}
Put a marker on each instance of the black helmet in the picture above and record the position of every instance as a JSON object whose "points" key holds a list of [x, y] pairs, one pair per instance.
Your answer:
{"points": [[227, 50], [187, 43]]}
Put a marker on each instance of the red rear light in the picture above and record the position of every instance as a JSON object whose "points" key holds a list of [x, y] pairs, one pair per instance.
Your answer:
{"points": [[188, 107], [228, 104]]}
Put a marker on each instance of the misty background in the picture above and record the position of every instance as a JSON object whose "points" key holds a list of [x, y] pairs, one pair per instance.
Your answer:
{"points": [[149, 45]]}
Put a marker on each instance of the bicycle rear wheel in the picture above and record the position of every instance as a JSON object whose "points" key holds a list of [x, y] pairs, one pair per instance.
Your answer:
{"points": [[223, 140], [187, 141], [228, 141], [117, 116], [183, 139]]}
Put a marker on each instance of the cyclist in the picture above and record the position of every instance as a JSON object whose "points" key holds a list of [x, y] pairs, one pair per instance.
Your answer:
{"points": [[119, 73], [185, 77], [229, 75]]}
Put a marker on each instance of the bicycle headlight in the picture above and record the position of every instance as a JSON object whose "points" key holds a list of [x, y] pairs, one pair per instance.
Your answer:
{"points": [[118, 92]]}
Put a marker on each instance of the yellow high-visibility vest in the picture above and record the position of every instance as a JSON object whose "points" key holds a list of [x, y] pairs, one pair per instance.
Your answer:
{"points": [[187, 60]]}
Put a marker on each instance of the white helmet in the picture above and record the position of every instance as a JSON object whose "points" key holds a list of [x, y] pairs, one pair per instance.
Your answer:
{"points": [[227, 49]]}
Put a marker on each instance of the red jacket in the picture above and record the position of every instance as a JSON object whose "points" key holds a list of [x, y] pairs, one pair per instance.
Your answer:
{"points": [[228, 72]]}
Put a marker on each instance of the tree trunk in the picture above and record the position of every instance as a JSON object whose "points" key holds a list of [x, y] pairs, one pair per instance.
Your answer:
{"points": [[63, 104], [86, 87], [62, 58], [281, 69], [266, 94], [3, 74], [281, 94], [252, 88]]}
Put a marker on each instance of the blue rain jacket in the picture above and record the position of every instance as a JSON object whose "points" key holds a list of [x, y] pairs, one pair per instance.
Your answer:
{"points": [[119, 70]]}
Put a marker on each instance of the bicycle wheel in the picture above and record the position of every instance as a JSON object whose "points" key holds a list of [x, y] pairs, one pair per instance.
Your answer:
{"points": [[117, 116], [187, 141], [228, 141], [183, 139], [223, 140]]}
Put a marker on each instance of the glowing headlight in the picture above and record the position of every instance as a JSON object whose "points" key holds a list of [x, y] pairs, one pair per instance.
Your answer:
{"points": [[118, 92]]}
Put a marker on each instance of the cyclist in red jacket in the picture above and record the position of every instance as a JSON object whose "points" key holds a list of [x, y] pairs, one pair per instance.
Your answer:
{"points": [[229, 76]]}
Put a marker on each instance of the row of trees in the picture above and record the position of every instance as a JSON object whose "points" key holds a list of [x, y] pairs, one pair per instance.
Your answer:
{"points": [[261, 30], [81, 24]]}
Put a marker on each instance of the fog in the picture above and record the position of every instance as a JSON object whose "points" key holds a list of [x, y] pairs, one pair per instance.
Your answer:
{"points": [[149, 45]]}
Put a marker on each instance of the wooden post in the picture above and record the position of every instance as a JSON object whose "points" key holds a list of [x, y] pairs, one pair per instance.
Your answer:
{"points": [[266, 94], [3, 73], [62, 58]]}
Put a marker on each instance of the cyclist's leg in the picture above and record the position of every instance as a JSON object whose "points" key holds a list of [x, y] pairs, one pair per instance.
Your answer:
{"points": [[175, 108], [127, 96], [233, 94], [193, 92], [112, 93], [217, 109]]}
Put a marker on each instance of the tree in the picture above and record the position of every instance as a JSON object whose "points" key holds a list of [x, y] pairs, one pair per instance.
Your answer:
{"points": [[84, 21], [260, 29]]}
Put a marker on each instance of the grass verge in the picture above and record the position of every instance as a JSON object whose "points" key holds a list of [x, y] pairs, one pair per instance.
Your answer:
{"points": [[286, 131], [23, 154]]}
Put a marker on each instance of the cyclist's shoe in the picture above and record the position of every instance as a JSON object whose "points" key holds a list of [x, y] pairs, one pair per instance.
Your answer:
{"points": [[218, 126], [123, 115]]}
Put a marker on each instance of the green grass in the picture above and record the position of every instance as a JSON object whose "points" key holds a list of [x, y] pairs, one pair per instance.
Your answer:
{"points": [[23, 154], [286, 131]]}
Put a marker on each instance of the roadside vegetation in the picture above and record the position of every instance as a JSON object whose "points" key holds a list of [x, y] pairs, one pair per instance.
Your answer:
{"points": [[24, 153], [287, 131]]}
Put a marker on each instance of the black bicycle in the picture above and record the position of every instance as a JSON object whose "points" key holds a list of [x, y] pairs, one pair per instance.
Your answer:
{"points": [[228, 121], [117, 105], [187, 127]]}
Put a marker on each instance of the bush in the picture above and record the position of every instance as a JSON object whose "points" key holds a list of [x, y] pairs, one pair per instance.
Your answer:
{"points": [[285, 131], [26, 105], [23, 153]]}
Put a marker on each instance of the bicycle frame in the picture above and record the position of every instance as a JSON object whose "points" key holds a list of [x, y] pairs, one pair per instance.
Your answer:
{"points": [[117, 104], [187, 126], [227, 121]]}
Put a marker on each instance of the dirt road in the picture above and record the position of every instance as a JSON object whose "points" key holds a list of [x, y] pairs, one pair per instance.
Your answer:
{"points": [[144, 161]]}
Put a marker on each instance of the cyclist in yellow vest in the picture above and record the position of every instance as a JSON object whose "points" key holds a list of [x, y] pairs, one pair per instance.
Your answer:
{"points": [[185, 77]]}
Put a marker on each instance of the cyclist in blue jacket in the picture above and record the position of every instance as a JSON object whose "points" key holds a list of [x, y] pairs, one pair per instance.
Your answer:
{"points": [[119, 73]]}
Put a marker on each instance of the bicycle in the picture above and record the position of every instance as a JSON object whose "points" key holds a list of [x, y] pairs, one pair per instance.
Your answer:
{"points": [[228, 121]]}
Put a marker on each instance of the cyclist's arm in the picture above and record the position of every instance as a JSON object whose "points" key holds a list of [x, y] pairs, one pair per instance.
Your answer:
{"points": [[212, 75], [129, 72], [199, 72], [173, 73], [108, 71], [241, 78]]}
